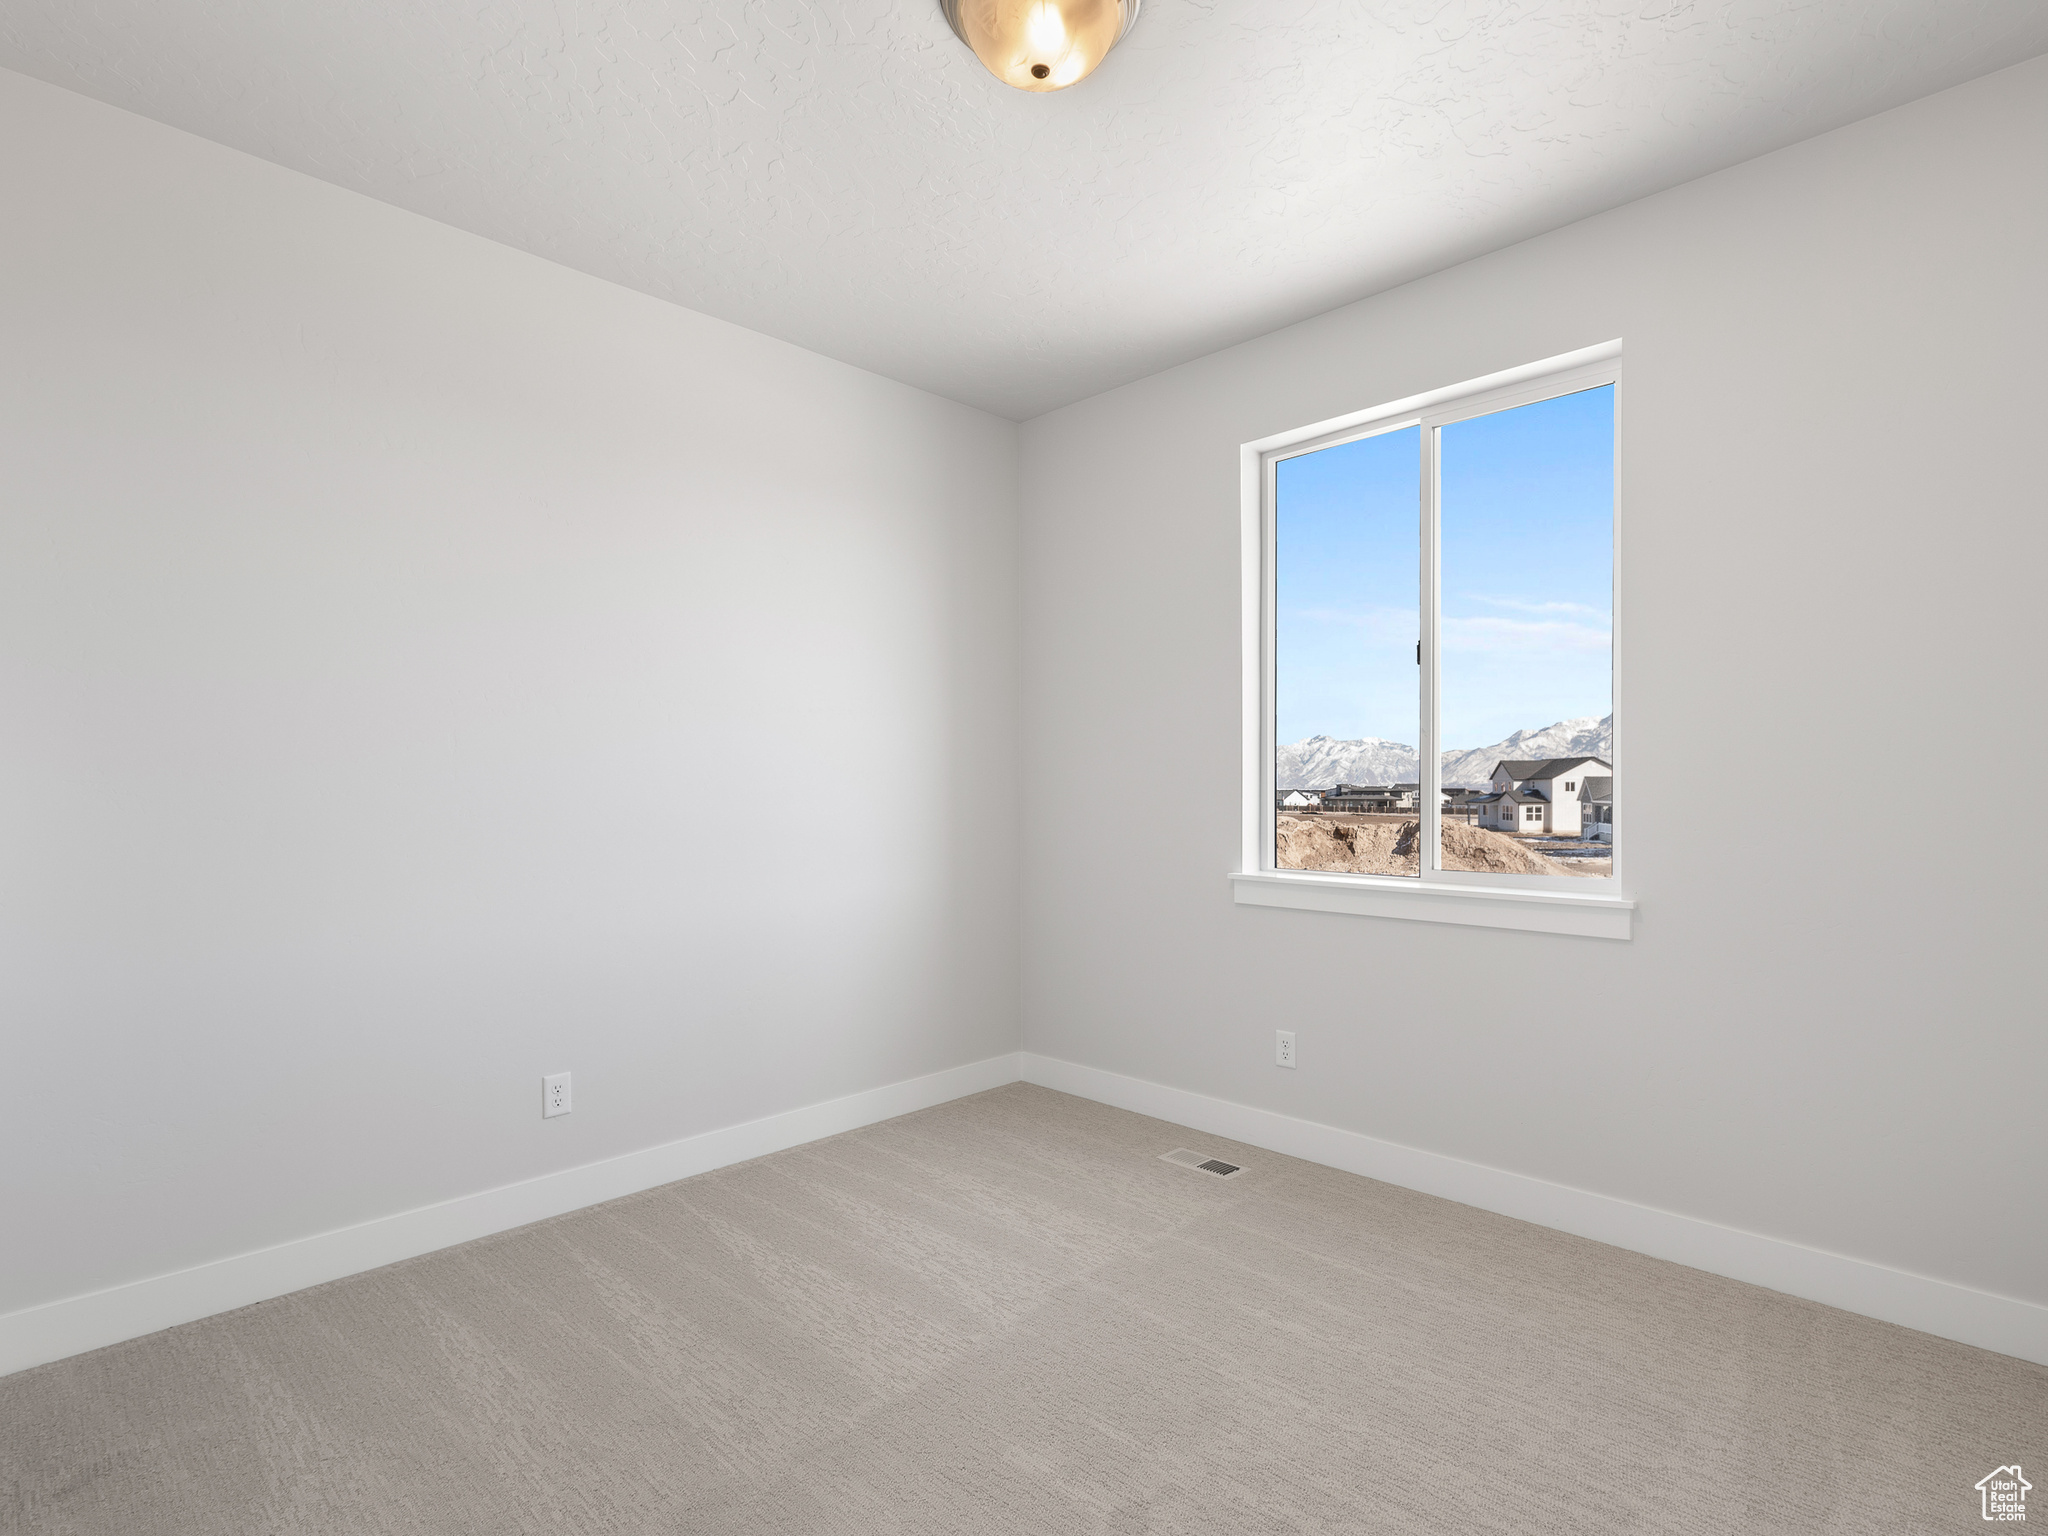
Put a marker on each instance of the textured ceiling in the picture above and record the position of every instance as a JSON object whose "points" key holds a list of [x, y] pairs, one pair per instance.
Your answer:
{"points": [[843, 174]]}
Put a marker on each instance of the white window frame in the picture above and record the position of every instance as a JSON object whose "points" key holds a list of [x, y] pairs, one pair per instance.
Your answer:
{"points": [[1592, 907]]}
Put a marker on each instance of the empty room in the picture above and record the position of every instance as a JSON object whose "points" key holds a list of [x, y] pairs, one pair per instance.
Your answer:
{"points": [[1022, 766]]}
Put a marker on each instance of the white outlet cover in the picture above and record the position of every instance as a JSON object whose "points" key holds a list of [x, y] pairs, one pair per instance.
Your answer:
{"points": [[554, 1096], [1283, 1048]]}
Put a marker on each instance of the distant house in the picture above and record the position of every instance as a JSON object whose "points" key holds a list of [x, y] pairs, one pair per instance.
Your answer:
{"points": [[1298, 799], [1381, 798], [1596, 807], [1542, 797]]}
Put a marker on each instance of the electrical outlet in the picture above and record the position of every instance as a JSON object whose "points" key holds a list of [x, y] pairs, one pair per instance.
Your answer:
{"points": [[1283, 1047], [554, 1096]]}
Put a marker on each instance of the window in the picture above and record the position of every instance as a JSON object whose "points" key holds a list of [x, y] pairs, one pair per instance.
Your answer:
{"points": [[1401, 625]]}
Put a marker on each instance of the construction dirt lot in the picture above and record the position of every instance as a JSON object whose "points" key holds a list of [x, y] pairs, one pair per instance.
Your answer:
{"points": [[1386, 845]]}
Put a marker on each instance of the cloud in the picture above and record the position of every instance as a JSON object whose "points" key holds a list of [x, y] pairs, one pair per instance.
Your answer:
{"points": [[1381, 623], [1518, 606], [1524, 636], [1480, 633]]}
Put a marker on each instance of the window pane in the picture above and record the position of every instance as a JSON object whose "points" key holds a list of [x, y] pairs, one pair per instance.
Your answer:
{"points": [[1526, 643], [1346, 689]]}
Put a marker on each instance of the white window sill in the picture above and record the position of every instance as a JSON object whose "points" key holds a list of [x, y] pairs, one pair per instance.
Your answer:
{"points": [[1477, 906]]}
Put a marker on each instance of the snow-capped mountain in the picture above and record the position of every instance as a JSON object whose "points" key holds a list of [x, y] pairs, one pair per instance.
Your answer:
{"points": [[1585, 737], [1322, 761]]}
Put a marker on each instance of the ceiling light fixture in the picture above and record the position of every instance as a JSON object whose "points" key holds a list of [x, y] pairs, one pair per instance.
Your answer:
{"points": [[1040, 45]]}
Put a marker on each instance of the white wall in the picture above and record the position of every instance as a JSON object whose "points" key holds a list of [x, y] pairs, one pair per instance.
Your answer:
{"points": [[423, 668], [1832, 549]]}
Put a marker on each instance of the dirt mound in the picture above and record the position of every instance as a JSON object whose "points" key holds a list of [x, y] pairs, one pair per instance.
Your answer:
{"points": [[1388, 848], [1383, 848], [1495, 853]]}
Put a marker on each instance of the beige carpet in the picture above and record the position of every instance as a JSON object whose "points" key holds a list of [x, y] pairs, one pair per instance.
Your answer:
{"points": [[1006, 1315]]}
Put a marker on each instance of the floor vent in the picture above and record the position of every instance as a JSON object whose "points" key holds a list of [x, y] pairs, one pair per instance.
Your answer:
{"points": [[1181, 1157]]}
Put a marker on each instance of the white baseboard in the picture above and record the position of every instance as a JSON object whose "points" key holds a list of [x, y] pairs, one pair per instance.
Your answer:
{"points": [[1941, 1307], [75, 1324]]}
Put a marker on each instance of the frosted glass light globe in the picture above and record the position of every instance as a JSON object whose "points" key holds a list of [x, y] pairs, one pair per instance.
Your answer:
{"points": [[1040, 45]]}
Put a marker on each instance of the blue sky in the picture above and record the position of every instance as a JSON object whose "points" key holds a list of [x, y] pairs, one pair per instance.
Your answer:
{"points": [[1347, 562], [1527, 542]]}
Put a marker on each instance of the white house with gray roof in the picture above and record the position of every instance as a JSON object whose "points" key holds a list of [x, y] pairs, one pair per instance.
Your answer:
{"points": [[1543, 797], [1596, 807]]}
